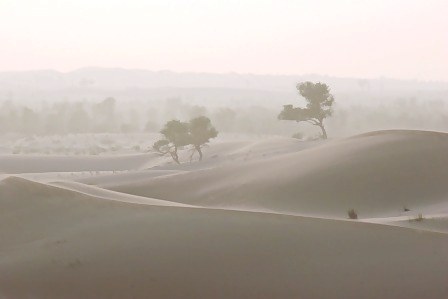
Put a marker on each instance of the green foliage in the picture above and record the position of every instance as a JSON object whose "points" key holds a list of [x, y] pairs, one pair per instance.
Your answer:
{"points": [[318, 97], [201, 130], [160, 144], [176, 135], [176, 132]]}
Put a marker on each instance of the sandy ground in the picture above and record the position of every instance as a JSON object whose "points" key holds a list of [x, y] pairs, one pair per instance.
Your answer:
{"points": [[376, 174], [255, 219]]}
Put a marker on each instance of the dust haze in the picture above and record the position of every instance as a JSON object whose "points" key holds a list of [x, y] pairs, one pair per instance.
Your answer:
{"points": [[211, 149], [89, 102]]}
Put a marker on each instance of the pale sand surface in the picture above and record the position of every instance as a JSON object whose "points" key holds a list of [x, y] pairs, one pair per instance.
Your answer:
{"points": [[376, 174], [15, 164], [112, 195], [257, 227], [110, 180]]}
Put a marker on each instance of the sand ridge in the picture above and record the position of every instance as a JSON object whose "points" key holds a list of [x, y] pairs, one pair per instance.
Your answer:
{"points": [[142, 250], [379, 175], [216, 230]]}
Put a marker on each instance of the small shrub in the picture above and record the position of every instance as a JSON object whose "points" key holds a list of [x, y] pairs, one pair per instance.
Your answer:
{"points": [[352, 214], [419, 217]]}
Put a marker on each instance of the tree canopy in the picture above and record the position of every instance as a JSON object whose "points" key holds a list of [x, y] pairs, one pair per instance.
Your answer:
{"points": [[201, 131], [175, 135]]}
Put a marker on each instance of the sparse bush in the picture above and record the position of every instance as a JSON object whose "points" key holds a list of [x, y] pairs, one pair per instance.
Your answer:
{"points": [[419, 217], [352, 214]]}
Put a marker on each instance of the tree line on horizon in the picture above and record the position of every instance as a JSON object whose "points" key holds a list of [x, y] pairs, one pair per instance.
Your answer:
{"points": [[112, 116], [28, 119]]}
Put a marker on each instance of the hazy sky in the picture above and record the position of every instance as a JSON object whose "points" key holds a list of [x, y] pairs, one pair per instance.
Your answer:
{"points": [[364, 38]]}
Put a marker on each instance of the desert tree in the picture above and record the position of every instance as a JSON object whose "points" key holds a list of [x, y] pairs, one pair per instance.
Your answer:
{"points": [[176, 135], [319, 103], [201, 131]]}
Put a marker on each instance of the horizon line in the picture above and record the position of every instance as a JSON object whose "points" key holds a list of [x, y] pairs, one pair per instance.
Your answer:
{"points": [[381, 77]]}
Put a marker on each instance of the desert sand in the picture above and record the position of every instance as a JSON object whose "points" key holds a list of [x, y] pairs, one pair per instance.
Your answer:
{"points": [[255, 219]]}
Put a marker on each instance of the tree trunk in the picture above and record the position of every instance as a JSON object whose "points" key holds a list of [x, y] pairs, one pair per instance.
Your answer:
{"points": [[192, 154], [175, 156], [324, 132], [198, 149]]}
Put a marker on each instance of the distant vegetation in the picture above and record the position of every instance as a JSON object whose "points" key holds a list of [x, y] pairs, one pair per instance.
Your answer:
{"points": [[318, 107], [176, 134], [358, 109], [418, 218], [352, 214], [112, 115]]}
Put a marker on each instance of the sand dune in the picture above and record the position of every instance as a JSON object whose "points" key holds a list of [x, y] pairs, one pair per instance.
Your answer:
{"points": [[26, 203], [15, 164], [221, 153], [107, 194], [233, 152], [435, 224], [257, 230], [377, 174], [432, 222], [110, 180], [19, 189], [69, 245]]}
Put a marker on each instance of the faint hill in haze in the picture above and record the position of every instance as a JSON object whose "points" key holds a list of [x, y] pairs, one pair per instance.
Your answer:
{"points": [[95, 83]]}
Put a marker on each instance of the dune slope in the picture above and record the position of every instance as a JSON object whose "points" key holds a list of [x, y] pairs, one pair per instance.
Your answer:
{"points": [[378, 174], [110, 180], [77, 246], [15, 164], [112, 195]]}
